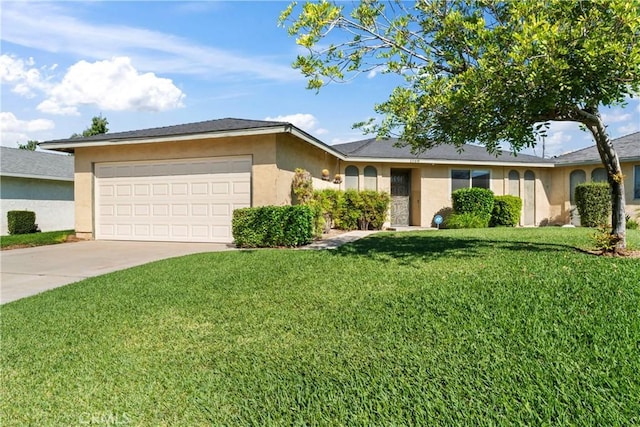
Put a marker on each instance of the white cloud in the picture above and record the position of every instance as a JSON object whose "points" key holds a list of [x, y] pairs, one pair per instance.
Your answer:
{"points": [[19, 73], [13, 130], [111, 85], [306, 122], [48, 27]]}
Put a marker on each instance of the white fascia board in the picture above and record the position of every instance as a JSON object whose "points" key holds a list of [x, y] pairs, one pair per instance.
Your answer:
{"points": [[316, 142], [31, 176], [175, 138], [446, 162], [596, 162]]}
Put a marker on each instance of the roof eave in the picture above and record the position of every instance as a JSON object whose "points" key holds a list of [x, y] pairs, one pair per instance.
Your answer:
{"points": [[595, 162], [33, 176], [447, 162], [63, 146]]}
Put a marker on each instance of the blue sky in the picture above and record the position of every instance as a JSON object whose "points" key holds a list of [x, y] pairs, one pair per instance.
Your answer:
{"points": [[150, 64]]}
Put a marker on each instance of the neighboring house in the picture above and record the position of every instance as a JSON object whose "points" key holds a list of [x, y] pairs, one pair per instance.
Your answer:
{"points": [[585, 165], [39, 182], [182, 183]]}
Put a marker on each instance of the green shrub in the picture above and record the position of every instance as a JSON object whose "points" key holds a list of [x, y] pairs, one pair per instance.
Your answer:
{"points": [[373, 211], [361, 210], [302, 186], [21, 222], [467, 220], [593, 200], [605, 241], [273, 226], [473, 200], [349, 210], [328, 201], [506, 211], [632, 224]]}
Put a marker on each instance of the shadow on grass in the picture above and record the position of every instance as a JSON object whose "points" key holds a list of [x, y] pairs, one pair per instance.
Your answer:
{"points": [[429, 246]]}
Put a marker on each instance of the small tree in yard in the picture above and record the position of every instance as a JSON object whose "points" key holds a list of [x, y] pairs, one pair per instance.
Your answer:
{"points": [[487, 71]]}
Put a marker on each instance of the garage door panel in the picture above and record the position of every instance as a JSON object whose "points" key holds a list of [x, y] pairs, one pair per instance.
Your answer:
{"points": [[186, 200]]}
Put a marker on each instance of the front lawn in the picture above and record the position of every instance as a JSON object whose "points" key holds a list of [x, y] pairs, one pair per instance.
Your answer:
{"points": [[34, 239], [454, 327]]}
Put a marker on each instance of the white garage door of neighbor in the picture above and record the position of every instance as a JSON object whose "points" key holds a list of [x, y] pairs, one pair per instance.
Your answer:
{"points": [[187, 200]]}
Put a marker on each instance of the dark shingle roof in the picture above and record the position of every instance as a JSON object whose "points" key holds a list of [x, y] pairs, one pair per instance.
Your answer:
{"points": [[627, 147], [35, 164], [209, 126], [388, 149]]}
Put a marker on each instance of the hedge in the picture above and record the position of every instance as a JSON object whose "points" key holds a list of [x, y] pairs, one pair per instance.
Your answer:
{"points": [[593, 200], [506, 211], [473, 200], [21, 222], [273, 226]]}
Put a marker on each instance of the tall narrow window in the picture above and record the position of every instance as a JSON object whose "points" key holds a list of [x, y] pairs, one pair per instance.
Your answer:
{"points": [[351, 178], [514, 183], [370, 178], [599, 175], [576, 178], [636, 182]]}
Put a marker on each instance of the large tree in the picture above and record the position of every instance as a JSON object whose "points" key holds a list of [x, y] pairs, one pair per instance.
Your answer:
{"points": [[485, 71]]}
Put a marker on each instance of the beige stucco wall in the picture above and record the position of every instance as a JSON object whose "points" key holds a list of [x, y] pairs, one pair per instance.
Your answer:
{"points": [[262, 148], [293, 153], [431, 187]]}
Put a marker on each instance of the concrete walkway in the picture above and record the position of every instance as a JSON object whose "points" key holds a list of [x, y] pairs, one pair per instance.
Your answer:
{"points": [[339, 240], [29, 271]]}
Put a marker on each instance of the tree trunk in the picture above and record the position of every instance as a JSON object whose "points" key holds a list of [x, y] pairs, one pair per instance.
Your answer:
{"points": [[611, 163]]}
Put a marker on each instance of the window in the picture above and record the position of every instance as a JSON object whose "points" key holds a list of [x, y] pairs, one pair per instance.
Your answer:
{"points": [[514, 183], [370, 178], [465, 178], [636, 182], [599, 175], [576, 178], [351, 178]]}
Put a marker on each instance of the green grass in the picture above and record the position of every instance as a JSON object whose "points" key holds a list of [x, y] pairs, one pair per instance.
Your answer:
{"points": [[35, 239], [454, 327]]}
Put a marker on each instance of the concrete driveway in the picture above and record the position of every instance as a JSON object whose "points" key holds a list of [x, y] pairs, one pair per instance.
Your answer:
{"points": [[29, 271]]}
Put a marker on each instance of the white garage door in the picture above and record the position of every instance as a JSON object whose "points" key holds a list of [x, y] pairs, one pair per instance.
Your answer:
{"points": [[188, 200]]}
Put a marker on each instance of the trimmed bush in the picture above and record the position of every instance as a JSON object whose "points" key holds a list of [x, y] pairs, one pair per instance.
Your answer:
{"points": [[473, 200], [273, 226], [506, 211], [361, 210], [467, 220], [21, 222], [593, 200]]}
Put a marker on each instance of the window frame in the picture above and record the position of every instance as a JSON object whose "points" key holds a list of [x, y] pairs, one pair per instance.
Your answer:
{"points": [[470, 179], [356, 176], [636, 182]]}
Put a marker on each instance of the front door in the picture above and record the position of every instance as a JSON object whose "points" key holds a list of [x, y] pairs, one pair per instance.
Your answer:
{"points": [[400, 200]]}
